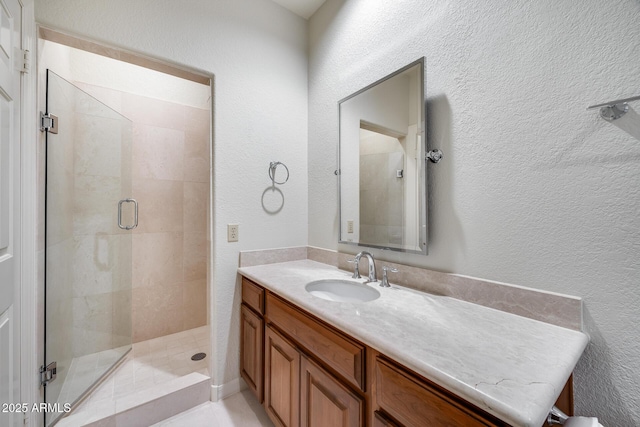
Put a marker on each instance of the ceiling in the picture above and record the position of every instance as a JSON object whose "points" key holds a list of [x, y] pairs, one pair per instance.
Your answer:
{"points": [[304, 8]]}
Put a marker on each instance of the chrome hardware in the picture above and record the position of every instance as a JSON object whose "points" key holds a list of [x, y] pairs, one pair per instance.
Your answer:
{"points": [[24, 61], [135, 214], [434, 156], [385, 280], [48, 123], [556, 417], [613, 110], [272, 173], [356, 271], [336, 172], [372, 267], [48, 373]]}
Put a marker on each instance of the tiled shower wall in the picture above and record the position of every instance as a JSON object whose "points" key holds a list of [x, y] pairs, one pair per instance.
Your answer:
{"points": [[171, 169]]}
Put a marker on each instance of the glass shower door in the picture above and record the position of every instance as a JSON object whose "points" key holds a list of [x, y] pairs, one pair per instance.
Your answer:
{"points": [[88, 246]]}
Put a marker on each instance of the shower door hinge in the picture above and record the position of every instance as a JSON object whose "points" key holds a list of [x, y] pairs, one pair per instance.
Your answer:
{"points": [[22, 60], [48, 123], [26, 62], [48, 373]]}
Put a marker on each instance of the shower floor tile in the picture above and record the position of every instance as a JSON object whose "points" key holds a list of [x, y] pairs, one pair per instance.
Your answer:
{"points": [[151, 363]]}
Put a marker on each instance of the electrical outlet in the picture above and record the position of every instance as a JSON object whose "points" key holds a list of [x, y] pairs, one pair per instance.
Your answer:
{"points": [[349, 226], [232, 232]]}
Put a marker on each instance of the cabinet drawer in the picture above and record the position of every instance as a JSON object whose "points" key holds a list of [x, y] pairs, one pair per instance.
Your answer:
{"points": [[415, 403], [253, 295], [340, 353]]}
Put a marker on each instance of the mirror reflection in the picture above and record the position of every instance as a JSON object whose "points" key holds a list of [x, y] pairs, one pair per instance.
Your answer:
{"points": [[382, 166]]}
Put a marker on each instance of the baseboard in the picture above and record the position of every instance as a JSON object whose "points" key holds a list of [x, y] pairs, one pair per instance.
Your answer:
{"points": [[219, 392]]}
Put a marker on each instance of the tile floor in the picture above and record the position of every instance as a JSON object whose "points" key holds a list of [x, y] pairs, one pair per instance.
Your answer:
{"points": [[240, 410], [151, 363]]}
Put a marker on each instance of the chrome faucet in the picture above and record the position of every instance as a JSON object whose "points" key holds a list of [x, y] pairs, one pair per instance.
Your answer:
{"points": [[372, 266]]}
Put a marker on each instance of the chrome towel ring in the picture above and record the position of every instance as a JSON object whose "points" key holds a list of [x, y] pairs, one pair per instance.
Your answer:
{"points": [[272, 172]]}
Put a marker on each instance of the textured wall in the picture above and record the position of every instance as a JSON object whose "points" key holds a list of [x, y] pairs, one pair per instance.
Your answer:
{"points": [[257, 52], [533, 190]]}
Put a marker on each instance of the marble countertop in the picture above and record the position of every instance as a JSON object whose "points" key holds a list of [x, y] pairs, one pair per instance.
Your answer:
{"points": [[510, 366]]}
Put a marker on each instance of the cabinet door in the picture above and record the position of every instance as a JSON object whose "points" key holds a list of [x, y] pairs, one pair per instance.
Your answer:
{"points": [[282, 380], [251, 350], [325, 402], [380, 420]]}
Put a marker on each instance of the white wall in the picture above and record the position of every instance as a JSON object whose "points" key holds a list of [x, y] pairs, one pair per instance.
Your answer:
{"points": [[533, 190], [257, 52]]}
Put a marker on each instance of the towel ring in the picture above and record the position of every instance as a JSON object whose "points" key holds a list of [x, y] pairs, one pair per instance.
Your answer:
{"points": [[272, 172]]}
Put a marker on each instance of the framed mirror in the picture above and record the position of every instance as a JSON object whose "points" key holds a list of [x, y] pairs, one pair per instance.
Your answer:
{"points": [[382, 165]]}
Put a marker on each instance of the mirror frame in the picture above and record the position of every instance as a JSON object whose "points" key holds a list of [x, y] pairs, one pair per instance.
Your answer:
{"points": [[422, 182]]}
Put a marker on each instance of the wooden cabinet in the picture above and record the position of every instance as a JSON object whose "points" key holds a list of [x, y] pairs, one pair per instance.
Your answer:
{"points": [[379, 420], [414, 402], [253, 295], [325, 402], [251, 350], [330, 346], [282, 380], [313, 375]]}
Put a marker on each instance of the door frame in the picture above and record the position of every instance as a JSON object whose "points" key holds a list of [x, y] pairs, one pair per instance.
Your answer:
{"points": [[29, 375]]}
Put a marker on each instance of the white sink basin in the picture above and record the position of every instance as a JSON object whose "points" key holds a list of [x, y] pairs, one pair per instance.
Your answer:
{"points": [[342, 290]]}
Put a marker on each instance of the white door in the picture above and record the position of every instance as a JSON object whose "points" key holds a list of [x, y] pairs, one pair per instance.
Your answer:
{"points": [[10, 77]]}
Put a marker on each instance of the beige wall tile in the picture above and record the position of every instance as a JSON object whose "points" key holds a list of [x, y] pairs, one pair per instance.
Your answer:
{"points": [[97, 145], [195, 206], [95, 208], [158, 153], [197, 119], [195, 303], [158, 311], [122, 318], [157, 259], [197, 144], [95, 264], [197, 162], [92, 324], [195, 256], [149, 111], [110, 97], [160, 205]]}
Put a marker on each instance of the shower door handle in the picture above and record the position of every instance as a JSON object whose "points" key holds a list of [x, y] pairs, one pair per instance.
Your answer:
{"points": [[135, 214]]}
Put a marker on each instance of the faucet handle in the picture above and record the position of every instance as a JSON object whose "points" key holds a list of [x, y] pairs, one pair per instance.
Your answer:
{"points": [[385, 280], [356, 271]]}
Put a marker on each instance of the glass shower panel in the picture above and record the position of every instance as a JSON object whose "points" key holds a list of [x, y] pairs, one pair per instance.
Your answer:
{"points": [[88, 255]]}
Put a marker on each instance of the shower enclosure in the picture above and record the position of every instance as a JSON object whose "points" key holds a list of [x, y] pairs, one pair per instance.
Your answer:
{"points": [[88, 244]]}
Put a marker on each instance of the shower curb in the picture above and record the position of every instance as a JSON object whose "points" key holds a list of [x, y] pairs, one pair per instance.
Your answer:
{"points": [[147, 407]]}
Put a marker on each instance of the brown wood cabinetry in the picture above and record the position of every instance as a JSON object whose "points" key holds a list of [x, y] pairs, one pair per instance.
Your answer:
{"points": [[325, 401], [380, 420], [415, 402], [253, 295], [336, 350], [251, 351], [313, 375], [282, 380]]}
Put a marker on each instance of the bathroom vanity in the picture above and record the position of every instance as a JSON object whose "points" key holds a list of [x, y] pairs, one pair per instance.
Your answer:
{"points": [[405, 359]]}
